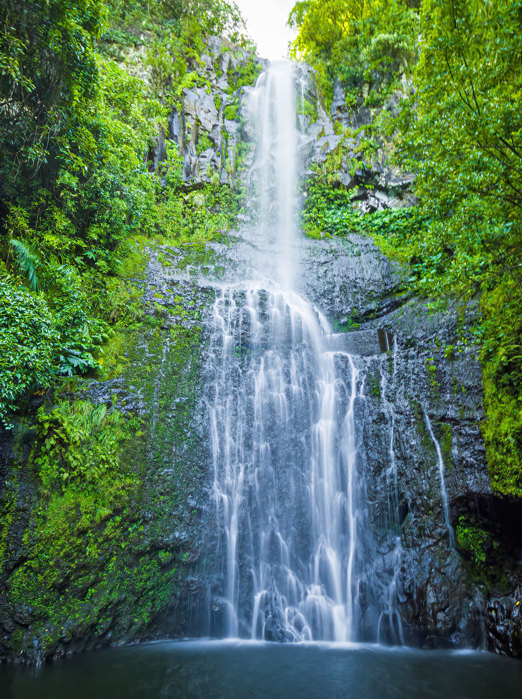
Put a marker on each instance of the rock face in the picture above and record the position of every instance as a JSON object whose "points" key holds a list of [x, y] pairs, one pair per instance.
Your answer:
{"points": [[458, 585], [208, 124], [336, 149], [210, 129]]}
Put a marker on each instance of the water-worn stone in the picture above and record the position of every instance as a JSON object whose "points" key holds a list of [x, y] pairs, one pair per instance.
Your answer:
{"points": [[504, 623]]}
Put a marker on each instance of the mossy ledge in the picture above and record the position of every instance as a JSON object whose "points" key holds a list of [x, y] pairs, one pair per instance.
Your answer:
{"points": [[100, 505]]}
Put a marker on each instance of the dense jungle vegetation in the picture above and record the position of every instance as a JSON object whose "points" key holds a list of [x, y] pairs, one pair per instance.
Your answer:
{"points": [[457, 65], [78, 186]]}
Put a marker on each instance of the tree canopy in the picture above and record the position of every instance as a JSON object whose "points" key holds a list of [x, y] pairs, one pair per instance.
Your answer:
{"points": [[355, 40]]}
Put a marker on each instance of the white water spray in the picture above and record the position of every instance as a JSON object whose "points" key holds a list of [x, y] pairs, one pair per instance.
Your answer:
{"points": [[282, 419]]}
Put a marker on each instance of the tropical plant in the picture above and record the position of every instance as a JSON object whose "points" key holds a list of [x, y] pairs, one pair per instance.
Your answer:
{"points": [[356, 41], [26, 261]]}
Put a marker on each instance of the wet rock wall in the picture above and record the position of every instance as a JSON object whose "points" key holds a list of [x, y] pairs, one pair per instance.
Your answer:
{"points": [[459, 588]]}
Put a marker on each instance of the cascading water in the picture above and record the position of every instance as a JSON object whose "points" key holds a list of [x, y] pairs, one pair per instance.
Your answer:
{"points": [[443, 490], [282, 413], [284, 448]]}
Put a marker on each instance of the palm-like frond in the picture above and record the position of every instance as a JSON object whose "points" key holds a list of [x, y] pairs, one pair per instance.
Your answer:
{"points": [[27, 261]]}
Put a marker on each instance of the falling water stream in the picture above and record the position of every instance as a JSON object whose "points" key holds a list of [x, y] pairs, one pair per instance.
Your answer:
{"points": [[443, 489], [389, 624], [282, 419]]}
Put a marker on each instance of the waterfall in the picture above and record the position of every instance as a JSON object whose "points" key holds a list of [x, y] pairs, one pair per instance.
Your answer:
{"points": [[443, 490], [282, 413], [272, 109]]}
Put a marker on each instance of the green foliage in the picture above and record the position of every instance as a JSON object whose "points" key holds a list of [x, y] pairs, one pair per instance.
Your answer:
{"points": [[29, 343], [217, 17], [204, 143], [47, 74], [78, 204], [473, 540], [356, 42], [431, 370], [501, 356], [83, 487], [77, 444], [464, 139], [231, 111], [179, 29], [306, 108], [245, 73], [76, 131], [27, 261], [350, 153], [329, 211], [205, 213], [43, 338], [486, 555], [79, 330]]}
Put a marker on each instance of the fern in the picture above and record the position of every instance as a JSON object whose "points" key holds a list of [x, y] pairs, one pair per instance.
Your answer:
{"points": [[27, 261]]}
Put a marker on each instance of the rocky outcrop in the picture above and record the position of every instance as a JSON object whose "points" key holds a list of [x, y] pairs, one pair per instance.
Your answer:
{"points": [[337, 149], [458, 585], [208, 122], [210, 128]]}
